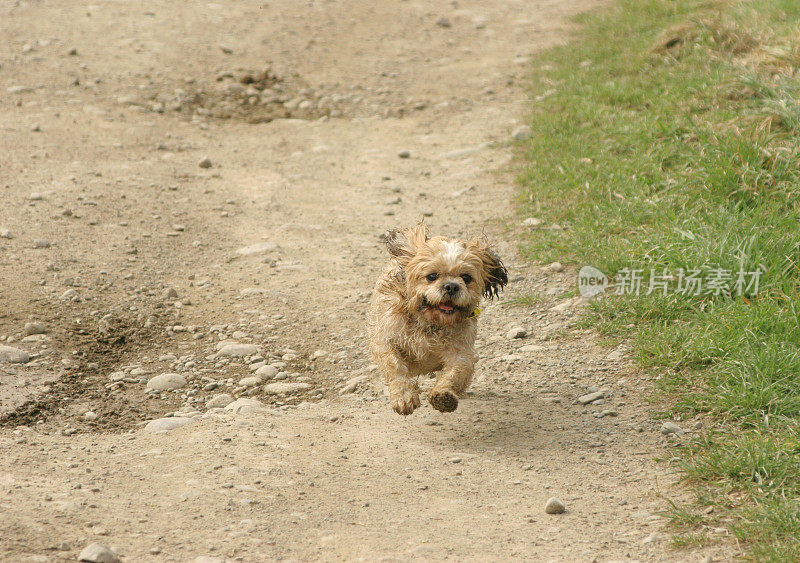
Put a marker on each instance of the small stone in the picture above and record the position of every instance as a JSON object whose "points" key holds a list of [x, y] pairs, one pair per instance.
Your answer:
{"points": [[10, 355], [220, 400], [352, 384], [178, 227], [697, 425], [249, 381], [245, 406], [205, 162], [455, 460], [89, 416], [287, 387], [161, 425], [554, 506], [522, 133], [238, 350], [6, 233], [652, 538], [69, 295], [556, 267], [169, 293], [41, 243], [591, 397], [404, 154], [227, 49], [36, 127], [72, 51], [444, 22], [532, 222], [166, 382], [671, 428], [257, 248], [266, 372], [34, 328], [516, 332], [98, 553]]}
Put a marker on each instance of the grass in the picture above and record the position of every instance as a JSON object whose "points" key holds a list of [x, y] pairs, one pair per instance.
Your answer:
{"points": [[670, 145]]}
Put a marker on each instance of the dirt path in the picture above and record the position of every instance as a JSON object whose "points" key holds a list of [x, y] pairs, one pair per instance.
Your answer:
{"points": [[138, 262]]}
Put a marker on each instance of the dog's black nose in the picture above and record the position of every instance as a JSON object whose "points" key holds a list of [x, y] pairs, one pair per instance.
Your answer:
{"points": [[450, 287]]}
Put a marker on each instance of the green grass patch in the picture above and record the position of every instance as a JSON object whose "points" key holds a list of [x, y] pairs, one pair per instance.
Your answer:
{"points": [[666, 153]]}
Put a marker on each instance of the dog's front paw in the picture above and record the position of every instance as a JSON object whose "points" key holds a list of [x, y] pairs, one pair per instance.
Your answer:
{"points": [[444, 401], [405, 401]]}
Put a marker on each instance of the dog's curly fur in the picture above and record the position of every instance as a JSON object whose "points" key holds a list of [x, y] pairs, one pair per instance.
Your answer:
{"points": [[423, 319]]}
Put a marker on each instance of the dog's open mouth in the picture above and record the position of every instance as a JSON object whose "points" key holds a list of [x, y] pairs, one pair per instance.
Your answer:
{"points": [[444, 308]]}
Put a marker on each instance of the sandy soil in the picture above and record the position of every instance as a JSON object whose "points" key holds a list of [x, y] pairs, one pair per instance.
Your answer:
{"points": [[146, 148]]}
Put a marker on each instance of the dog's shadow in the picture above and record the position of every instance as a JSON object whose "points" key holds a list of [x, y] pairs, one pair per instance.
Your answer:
{"points": [[510, 425]]}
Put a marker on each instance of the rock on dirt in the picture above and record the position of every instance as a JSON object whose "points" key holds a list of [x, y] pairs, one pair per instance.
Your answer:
{"points": [[671, 428], [161, 425], [288, 387], [11, 355], [166, 382], [516, 332], [238, 350], [98, 553], [34, 328], [245, 406], [257, 248], [591, 397], [554, 506], [219, 401]]}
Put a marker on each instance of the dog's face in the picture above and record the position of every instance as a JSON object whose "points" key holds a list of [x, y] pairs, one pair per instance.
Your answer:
{"points": [[444, 278]]}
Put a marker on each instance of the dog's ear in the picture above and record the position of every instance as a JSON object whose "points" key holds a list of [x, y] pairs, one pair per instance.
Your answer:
{"points": [[495, 272], [403, 244]]}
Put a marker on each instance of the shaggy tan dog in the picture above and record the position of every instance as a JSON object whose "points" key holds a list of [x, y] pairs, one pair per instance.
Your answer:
{"points": [[424, 314]]}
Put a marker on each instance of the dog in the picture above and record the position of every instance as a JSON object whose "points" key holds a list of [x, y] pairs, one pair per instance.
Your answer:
{"points": [[424, 314]]}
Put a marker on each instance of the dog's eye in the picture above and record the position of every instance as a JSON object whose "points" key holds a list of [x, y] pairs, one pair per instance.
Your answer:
{"points": [[432, 277], [467, 278]]}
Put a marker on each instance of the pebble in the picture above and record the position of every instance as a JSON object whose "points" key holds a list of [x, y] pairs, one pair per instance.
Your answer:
{"points": [[41, 243], [556, 267], [404, 154], [161, 425], [98, 553], [205, 162], [220, 400], [288, 387], [238, 350], [10, 355], [34, 328], [352, 384], [671, 428], [522, 133], [6, 233], [166, 382], [554, 506], [249, 381], [89, 416], [69, 295], [245, 406], [257, 248], [516, 332], [591, 397], [444, 22], [532, 222], [266, 372]]}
